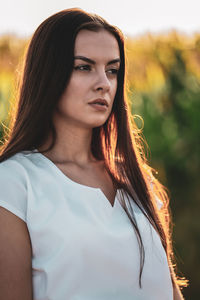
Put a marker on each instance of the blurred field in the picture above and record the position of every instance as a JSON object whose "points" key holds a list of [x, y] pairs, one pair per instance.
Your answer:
{"points": [[163, 84]]}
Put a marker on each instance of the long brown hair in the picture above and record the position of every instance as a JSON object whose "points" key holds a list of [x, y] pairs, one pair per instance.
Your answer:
{"points": [[48, 66]]}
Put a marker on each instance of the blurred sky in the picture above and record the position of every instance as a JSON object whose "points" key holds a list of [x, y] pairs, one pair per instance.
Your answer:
{"points": [[133, 17]]}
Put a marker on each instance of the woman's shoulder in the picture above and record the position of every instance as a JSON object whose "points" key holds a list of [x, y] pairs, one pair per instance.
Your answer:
{"points": [[12, 162], [16, 165], [13, 169]]}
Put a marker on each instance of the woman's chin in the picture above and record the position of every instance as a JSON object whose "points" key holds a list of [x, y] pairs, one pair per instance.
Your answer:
{"points": [[95, 123], [98, 124]]}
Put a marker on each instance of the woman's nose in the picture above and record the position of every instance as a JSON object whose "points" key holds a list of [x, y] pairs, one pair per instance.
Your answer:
{"points": [[102, 82]]}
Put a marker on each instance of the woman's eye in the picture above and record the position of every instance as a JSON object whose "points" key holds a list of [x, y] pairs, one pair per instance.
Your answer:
{"points": [[113, 71], [83, 68]]}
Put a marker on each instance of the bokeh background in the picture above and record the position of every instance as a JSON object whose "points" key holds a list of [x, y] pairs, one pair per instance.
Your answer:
{"points": [[163, 75]]}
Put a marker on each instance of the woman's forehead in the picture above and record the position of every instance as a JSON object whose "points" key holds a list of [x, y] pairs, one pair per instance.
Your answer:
{"points": [[101, 44]]}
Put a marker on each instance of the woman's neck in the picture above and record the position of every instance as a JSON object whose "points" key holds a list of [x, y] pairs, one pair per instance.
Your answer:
{"points": [[72, 145]]}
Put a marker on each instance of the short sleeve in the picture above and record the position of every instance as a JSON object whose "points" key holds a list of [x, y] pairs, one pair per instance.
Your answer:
{"points": [[13, 188]]}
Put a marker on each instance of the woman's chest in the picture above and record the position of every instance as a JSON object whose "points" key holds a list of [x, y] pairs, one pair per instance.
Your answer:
{"points": [[94, 175], [79, 238], [83, 221], [75, 219]]}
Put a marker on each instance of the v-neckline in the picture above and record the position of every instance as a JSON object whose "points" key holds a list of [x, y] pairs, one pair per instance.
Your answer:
{"points": [[69, 180]]}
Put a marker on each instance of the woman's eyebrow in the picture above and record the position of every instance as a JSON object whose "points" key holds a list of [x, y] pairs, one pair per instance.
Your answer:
{"points": [[91, 61]]}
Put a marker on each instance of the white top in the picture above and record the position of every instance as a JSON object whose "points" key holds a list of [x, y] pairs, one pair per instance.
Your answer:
{"points": [[83, 247]]}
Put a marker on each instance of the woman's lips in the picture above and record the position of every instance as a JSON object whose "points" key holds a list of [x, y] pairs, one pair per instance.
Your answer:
{"points": [[100, 101], [98, 106]]}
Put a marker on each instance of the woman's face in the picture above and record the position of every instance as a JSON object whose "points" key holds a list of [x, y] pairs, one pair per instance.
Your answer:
{"points": [[89, 95]]}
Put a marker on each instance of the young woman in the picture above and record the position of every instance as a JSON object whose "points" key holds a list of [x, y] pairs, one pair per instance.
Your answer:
{"points": [[81, 215]]}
